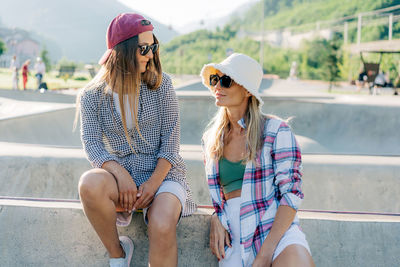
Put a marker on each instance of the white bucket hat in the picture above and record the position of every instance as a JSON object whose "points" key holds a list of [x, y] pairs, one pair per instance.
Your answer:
{"points": [[243, 69]]}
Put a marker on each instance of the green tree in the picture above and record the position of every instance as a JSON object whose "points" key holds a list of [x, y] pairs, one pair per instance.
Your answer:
{"points": [[2, 47], [322, 60], [332, 63], [188, 53], [44, 54]]}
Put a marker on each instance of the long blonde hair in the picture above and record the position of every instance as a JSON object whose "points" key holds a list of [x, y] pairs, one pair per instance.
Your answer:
{"points": [[220, 125], [122, 76]]}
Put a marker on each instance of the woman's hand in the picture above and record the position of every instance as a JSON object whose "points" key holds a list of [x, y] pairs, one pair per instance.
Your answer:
{"points": [[218, 238], [127, 191], [145, 194], [127, 188]]}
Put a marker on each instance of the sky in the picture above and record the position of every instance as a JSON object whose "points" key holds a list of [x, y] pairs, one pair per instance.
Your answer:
{"points": [[178, 13]]}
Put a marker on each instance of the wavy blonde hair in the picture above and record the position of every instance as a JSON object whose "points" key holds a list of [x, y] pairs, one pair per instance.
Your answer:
{"points": [[122, 76], [220, 125]]}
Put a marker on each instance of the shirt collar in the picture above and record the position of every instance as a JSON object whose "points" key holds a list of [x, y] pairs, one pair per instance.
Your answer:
{"points": [[242, 123]]}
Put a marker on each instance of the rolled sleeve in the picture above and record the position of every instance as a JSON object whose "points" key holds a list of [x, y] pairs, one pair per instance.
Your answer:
{"points": [[170, 129], [286, 156], [91, 132]]}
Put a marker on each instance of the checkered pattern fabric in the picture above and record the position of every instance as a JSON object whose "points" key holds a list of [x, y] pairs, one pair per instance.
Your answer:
{"points": [[274, 180], [103, 137]]}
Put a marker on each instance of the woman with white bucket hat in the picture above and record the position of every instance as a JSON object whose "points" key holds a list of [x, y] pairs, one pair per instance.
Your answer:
{"points": [[253, 168]]}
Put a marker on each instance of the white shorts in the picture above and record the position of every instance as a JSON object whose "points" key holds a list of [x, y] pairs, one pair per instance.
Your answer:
{"points": [[175, 188], [232, 259]]}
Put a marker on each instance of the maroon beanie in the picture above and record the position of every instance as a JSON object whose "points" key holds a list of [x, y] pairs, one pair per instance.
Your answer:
{"points": [[123, 27]]}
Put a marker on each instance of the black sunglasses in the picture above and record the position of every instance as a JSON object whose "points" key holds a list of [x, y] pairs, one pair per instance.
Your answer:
{"points": [[144, 49], [225, 80]]}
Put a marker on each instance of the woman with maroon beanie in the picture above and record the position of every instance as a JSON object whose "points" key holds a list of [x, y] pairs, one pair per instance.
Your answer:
{"points": [[130, 131]]}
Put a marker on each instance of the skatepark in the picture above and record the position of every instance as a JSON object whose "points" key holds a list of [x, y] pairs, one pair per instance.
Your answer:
{"points": [[351, 171]]}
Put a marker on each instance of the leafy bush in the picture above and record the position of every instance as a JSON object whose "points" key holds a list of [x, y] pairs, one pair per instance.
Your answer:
{"points": [[80, 78], [2, 47], [44, 54], [321, 60]]}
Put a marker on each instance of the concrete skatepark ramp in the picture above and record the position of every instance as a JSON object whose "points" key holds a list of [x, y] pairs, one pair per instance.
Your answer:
{"points": [[351, 156], [324, 125]]}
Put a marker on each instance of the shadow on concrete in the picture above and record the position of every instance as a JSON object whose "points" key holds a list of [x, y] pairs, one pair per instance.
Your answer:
{"points": [[36, 96]]}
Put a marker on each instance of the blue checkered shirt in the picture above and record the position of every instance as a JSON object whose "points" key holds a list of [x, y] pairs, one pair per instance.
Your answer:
{"points": [[103, 137]]}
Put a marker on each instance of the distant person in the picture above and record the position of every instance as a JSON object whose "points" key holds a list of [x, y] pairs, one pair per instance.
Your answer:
{"points": [[130, 131], [25, 72], [253, 167], [362, 80], [396, 84], [40, 69], [381, 80], [389, 83], [293, 71], [14, 72]]}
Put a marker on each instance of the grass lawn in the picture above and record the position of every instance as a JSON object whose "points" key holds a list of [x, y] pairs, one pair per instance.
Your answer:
{"points": [[53, 82]]}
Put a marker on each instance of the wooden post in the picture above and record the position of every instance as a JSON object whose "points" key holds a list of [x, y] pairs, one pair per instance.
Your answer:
{"points": [[181, 53], [390, 26], [359, 29], [345, 33], [262, 37]]}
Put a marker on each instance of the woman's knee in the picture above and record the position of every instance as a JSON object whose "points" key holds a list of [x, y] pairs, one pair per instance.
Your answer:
{"points": [[162, 218], [93, 184], [161, 227]]}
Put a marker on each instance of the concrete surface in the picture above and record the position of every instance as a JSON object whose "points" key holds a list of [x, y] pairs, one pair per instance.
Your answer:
{"points": [[351, 155], [58, 234], [330, 182], [13, 108], [325, 125], [49, 128], [338, 126], [54, 128]]}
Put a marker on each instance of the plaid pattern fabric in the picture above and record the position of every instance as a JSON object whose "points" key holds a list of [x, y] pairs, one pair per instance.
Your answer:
{"points": [[103, 137], [274, 180]]}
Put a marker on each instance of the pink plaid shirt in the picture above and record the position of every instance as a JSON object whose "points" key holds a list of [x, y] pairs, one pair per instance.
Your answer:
{"points": [[275, 180]]}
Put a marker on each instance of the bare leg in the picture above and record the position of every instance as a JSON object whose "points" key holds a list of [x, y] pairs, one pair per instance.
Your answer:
{"points": [[294, 255], [163, 215], [99, 194]]}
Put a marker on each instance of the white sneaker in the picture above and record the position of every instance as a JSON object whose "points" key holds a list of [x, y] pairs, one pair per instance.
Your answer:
{"points": [[128, 247]]}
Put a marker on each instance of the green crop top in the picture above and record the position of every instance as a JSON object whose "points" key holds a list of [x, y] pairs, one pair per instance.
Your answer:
{"points": [[231, 174]]}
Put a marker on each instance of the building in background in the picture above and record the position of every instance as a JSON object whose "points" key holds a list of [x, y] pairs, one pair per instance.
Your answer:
{"points": [[19, 43]]}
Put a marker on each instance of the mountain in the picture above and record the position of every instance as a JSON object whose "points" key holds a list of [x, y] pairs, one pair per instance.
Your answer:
{"points": [[288, 13], [187, 53], [77, 27]]}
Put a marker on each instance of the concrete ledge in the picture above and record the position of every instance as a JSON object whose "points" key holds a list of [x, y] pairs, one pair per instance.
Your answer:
{"points": [[56, 233], [330, 182]]}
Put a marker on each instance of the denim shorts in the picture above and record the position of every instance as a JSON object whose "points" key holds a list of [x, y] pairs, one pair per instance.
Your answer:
{"points": [[175, 188], [233, 255]]}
